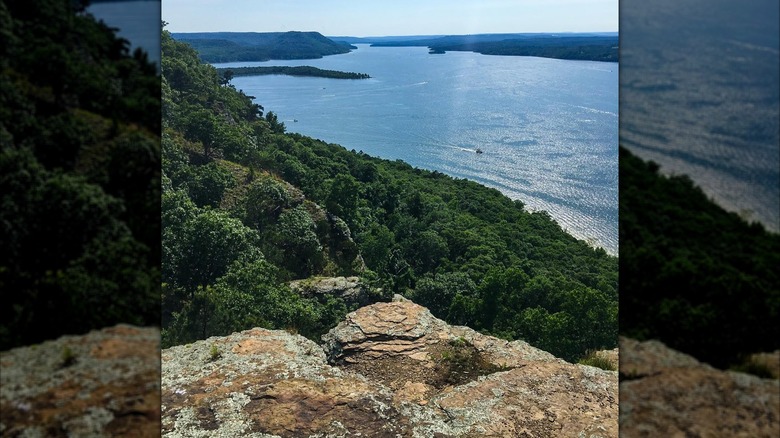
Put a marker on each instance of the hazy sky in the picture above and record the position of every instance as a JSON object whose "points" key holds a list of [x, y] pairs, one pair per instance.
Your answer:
{"points": [[391, 17]]}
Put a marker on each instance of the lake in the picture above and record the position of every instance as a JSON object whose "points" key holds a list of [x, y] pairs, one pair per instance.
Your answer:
{"points": [[548, 128], [700, 95]]}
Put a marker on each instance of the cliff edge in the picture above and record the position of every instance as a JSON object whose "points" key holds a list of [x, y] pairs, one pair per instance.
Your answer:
{"points": [[388, 370], [668, 393], [105, 383]]}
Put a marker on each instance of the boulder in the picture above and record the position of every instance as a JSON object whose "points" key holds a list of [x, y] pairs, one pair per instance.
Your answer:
{"points": [[388, 370], [667, 393], [351, 289], [102, 384]]}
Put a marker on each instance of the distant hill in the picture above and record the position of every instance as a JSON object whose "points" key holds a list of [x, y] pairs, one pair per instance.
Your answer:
{"points": [[575, 46], [426, 40], [256, 46]]}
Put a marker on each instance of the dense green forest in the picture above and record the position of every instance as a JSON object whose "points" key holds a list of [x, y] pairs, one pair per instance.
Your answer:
{"points": [[581, 48], [228, 73], [695, 276], [79, 174], [261, 46], [248, 207]]}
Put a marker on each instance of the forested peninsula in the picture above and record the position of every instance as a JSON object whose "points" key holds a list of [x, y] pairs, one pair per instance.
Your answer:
{"points": [[228, 73], [256, 218], [79, 175], [217, 47], [700, 279], [580, 47]]}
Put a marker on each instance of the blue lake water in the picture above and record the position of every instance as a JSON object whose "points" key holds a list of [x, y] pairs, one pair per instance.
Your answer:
{"points": [[548, 128], [700, 95], [136, 21]]}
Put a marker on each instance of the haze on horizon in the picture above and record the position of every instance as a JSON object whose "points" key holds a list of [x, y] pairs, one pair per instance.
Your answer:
{"points": [[400, 17]]}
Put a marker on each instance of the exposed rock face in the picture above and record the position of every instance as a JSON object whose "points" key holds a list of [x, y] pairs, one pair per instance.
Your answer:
{"points": [[395, 370], [350, 289], [102, 384], [667, 393]]}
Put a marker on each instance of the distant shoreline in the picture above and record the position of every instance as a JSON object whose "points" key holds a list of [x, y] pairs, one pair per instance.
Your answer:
{"points": [[219, 47], [304, 70]]}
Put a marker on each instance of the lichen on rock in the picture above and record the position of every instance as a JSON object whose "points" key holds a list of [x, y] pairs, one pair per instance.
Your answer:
{"points": [[380, 373], [668, 393], [101, 384]]}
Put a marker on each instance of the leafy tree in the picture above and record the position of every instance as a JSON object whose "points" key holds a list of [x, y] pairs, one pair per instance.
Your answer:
{"points": [[296, 233], [209, 184], [209, 243], [438, 292], [343, 198], [266, 198]]}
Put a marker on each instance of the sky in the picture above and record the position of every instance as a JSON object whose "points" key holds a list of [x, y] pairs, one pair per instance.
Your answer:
{"points": [[391, 17]]}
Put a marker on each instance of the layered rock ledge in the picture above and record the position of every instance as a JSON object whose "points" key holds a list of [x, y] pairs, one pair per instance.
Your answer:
{"points": [[102, 384], [388, 370], [667, 393]]}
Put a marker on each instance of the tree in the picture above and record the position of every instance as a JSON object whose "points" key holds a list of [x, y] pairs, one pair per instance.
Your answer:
{"points": [[226, 77], [209, 244], [209, 184], [202, 125], [342, 200], [273, 121], [438, 292], [296, 234]]}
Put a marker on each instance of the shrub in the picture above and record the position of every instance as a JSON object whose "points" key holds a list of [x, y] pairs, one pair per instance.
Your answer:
{"points": [[595, 359]]}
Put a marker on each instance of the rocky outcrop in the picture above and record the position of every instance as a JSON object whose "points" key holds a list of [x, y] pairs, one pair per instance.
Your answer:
{"points": [[388, 370], [667, 393], [102, 384], [351, 289]]}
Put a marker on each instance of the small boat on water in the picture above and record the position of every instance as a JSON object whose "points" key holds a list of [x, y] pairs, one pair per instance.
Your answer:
{"points": [[479, 151]]}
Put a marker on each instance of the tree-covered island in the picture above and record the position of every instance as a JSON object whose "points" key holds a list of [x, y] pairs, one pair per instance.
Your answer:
{"points": [[304, 70]]}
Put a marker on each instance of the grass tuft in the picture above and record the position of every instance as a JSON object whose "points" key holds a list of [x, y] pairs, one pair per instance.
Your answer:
{"points": [[597, 360]]}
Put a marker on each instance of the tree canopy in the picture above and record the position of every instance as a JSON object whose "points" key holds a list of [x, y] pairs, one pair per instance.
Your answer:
{"points": [[80, 160], [699, 278]]}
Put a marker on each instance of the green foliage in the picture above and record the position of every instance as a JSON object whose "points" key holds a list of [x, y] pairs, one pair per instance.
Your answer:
{"points": [[207, 245], [266, 198], [469, 253], [439, 293], [214, 353], [304, 70], [696, 277], [209, 183], [594, 359], [255, 46], [586, 47], [67, 357], [80, 160]]}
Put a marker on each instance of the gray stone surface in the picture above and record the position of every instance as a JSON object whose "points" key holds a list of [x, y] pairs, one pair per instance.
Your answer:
{"points": [[668, 393], [394, 370], [102, 384]]}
